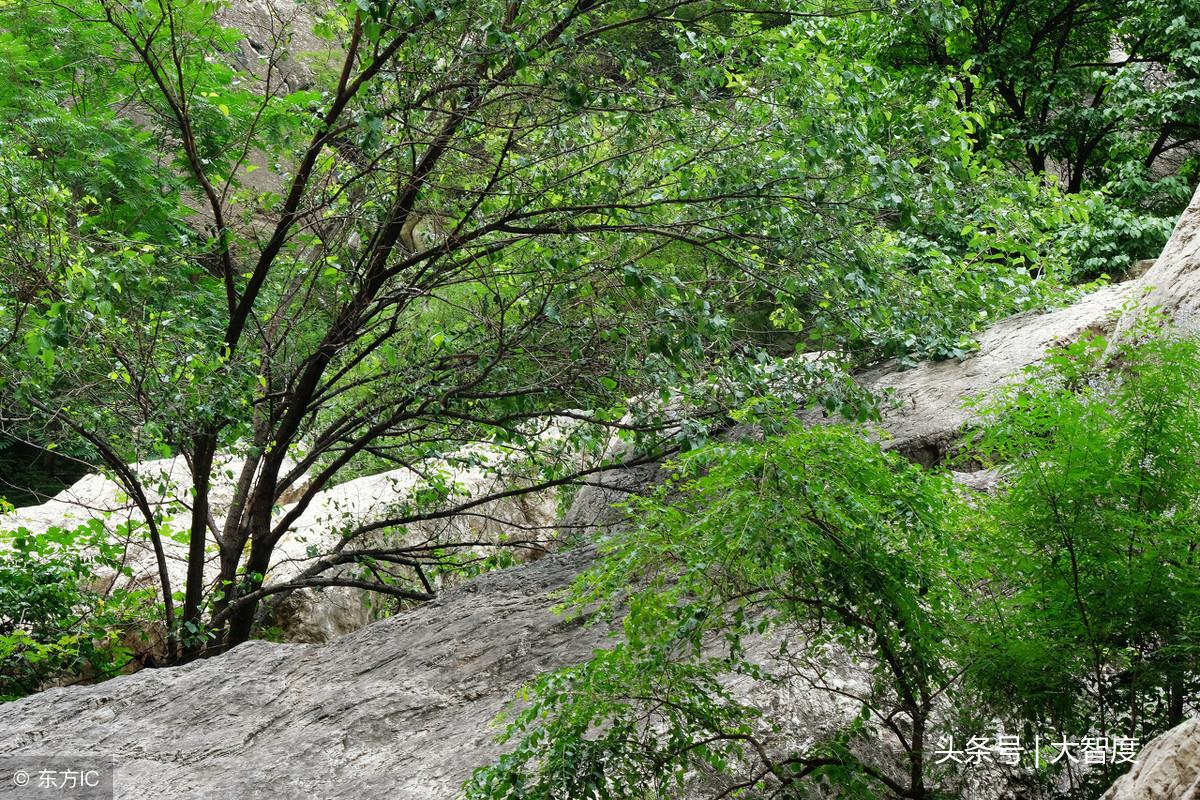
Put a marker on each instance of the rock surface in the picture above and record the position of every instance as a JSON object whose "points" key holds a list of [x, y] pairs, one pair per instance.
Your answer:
{"points": [[310, 616], [1168, 768], [930, 411], [1172, 284], [399, 709]]}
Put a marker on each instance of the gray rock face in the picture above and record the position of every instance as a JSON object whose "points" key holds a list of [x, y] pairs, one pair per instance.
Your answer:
{"points": [[1172, 284], [931, 413], [400, 709], [1168, 768]]}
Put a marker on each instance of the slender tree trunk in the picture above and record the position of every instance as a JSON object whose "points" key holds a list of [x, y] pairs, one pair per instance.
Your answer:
{"points": [[227, 588], [192, 638], [241, 620], [917, 758], [1175, 699]]}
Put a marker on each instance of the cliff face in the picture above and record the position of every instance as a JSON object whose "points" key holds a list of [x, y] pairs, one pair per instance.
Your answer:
{"points": [[401, 708]]}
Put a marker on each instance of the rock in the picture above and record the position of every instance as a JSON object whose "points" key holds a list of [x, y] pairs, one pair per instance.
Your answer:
{"points": [[398, 709], [1172, 284], [278, 32], [931, 413], [308, 615], [984, 481], [1139, 268], [1168, 768]]}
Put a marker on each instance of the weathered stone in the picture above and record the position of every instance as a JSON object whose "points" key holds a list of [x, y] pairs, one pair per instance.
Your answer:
{"points": [[400, 709], [1168, 768], [931, 410], [1172, 284]]}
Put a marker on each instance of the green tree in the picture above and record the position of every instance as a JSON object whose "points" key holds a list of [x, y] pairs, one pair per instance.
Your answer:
{"points": [[477, 219], [1094, 91], [1102, 96], [1091, 552], [762, 562]]}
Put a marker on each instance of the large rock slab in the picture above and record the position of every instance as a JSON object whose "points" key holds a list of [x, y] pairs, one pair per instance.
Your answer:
{"points": [[1172, 284], [929, 412], [400, 709]]}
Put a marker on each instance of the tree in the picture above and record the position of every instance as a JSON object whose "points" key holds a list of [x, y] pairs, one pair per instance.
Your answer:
{"points": [[1091, 91], [475, 222], [765, 562], [480, 218], [1093, 575]]}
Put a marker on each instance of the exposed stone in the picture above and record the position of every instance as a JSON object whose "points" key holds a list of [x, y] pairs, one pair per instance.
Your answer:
{"points": [[399, 709], [308, 615], [1172, 284], [1168, 768], [931, 411]]}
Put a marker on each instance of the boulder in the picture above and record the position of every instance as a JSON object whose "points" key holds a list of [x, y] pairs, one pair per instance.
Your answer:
{"points": [[308, 615], [1168, 768], [399, 709], [1172, 284]]}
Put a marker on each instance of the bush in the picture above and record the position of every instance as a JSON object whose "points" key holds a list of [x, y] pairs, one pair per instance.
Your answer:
{"points": [[1091, 550], [816, 538], [59, 620], [1068, 605]]}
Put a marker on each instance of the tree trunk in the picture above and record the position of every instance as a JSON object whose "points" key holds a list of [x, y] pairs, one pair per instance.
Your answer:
{"points": [[192, 639], [241, 621]]}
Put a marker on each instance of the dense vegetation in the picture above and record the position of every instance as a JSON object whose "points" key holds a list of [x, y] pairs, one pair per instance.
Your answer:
{"points": [[1064, 607], [295, 247]]}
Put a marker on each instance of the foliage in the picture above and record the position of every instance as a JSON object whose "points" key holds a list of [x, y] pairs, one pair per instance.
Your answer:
{"points": [[1106, 238], [1090, 555], [557, 210], [1097, 92], [1063, 606], [57, 618], [1100, 96], [814, 541], [997, 245]]}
